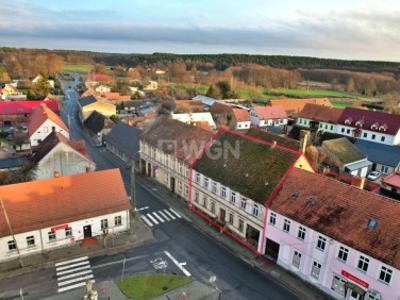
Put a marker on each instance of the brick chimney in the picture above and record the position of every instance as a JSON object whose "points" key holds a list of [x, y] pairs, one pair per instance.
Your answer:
{"points": [[57, 174]]}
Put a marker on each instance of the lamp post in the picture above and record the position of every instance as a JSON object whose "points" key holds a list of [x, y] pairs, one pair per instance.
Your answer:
{"points": [[133, 180]]}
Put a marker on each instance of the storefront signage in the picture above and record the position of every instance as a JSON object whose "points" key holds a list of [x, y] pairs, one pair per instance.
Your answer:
{"points": [[355, 279], [59, 227]]}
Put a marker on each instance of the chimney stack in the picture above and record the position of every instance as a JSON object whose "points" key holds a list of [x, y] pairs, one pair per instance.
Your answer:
{"points": [[304, 140], [358, 182], [274, 143], [57, 174]]}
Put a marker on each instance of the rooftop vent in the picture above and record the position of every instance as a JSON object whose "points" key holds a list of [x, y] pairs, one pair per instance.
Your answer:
{"points": [[372, 223], [247, 175], [266, 183], [311, 200], [296, 194]]}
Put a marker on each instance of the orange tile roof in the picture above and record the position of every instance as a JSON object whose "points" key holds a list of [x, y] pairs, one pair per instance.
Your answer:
{"points": [[392, 179], [203, 124], [241, 115], [342, 212], [40, 115], [321, 113], [270, 112], [45, 203], [296, 105], [113, 96]]}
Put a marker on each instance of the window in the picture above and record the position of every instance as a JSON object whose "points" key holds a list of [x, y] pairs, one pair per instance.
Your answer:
{"points": [[315, 270], [243, 204], [296, 259], [348, 131], [104, 224], [385, 275], [241, 225], [255, 210], [365, 134], [205, 182], [212, 207], [338, 285], [12, 245], [272, 219], [382, 139], [286, 225], [180, 187], [214, 187], [30, 240], [373, 136], [118, 221], [301, 234], [233, 197], [186, 190], [197, 178], [231, 219], [165, 178], [363, 263], [321, 243], [343, 254], [196, 196], [331, 127], [45, 129], [342, 130], [52, 236], [204, 201], [223, 192], [68, 232]]}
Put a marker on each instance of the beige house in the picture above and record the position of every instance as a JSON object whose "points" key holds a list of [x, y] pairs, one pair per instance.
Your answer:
{"points": [[89, 104]]}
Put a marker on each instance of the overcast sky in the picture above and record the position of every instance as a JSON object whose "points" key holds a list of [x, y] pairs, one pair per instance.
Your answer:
{"points": [[352, 29]]}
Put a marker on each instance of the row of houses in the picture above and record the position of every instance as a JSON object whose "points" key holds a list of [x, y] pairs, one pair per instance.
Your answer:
{"points": [[263, 192]]}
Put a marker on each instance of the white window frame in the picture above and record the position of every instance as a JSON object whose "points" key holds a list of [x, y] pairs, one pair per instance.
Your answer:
{"points": [[286, 225], [233, 197], [364, 261], [12, 244], [29, 239], [301, 233], [255, 210], [118, 220], [321, 243], [316, 266], [52, 236], [387, 272], [272, 218], [223, 192], [345, 252], [296, 259]]}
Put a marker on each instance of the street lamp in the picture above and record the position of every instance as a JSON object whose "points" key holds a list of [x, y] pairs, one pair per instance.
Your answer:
{"points": [[133, 179]]}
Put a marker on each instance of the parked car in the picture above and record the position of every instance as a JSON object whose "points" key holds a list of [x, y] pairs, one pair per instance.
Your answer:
{"points": [[374, 175]]}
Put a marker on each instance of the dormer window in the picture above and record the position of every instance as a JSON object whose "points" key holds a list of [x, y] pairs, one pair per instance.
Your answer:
{"points": [[360, 123], [383, 127], [375, 126], [347, 121]]}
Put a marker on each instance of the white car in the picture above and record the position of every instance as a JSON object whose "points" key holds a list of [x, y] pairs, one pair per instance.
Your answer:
{"points": [[374, 175]]}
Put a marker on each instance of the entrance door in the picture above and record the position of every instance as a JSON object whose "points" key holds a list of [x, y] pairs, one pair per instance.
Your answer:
{"points": [[272, 249], [353, 295], [172, 184], [222, 215], [149, 169], [87, 231]]}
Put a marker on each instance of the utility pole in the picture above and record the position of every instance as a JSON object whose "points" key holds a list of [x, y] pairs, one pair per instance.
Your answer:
{"points": [[133, 186], [11, 231]]}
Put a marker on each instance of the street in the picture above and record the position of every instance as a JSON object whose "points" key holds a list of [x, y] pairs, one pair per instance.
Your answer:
{"points": [[178, 246]]}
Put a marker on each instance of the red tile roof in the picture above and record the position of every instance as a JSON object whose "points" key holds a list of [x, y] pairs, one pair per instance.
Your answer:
{"points": [[392, 179], [52, 140], [45, 203], [342, 212], [294, 106], [321, 113], [390, 122], [113, 96], [24, 107], [241, 115], [40, 115], [270, 112]]}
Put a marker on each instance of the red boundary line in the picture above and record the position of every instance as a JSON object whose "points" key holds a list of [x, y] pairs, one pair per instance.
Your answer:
{"points": [[267, 204]]}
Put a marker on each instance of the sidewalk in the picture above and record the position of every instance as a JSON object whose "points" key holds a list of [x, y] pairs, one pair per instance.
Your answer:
{"points": [[138, 235], [298, 286]]}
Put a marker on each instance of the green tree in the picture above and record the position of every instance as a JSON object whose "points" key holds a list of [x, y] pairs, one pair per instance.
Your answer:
{"points": [[214, 92], [40, 89]]}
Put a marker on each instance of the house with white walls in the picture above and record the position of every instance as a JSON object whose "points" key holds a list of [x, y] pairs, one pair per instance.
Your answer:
{"points": [[42, 122], [61, 212], [265, 116], [242, 118], [319, 117], [372, 126], [337, 237]]}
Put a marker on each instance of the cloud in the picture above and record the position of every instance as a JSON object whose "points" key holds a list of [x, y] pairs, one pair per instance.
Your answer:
{"points": [[367, 34]]}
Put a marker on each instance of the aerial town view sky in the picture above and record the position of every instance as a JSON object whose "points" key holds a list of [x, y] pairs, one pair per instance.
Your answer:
{"points": [[362, 29]]}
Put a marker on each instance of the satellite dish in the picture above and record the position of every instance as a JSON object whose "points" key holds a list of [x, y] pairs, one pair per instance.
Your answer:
{"points": [[213, 279]]}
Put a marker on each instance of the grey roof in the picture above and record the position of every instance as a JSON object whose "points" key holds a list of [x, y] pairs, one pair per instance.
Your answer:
{"points": [[95, 122], [125, 138], [13, 162], [358, 165], [87, 100], [379, 153], [206, 100], [343, 150]]}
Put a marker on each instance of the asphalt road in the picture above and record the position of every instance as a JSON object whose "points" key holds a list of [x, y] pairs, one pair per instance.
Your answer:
{"points": [[204, 256]]}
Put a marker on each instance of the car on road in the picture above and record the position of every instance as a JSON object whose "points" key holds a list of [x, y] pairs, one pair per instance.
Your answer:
{"points": [[374, 175]]}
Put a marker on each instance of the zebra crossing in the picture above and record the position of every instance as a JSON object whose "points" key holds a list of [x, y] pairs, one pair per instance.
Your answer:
{"points": [[73, 273], [161, 216]]}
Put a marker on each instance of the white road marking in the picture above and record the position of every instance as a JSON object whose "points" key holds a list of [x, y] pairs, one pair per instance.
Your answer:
{"points": [[164, 215], [158, 217], [178, 264], [82, 278], [169, 214], [119, 261], [71, 287], [174, 211], [147, 221], [142, 208], [152, 219], [73, 270], [71, 266], [74, 275], [71, 261]]}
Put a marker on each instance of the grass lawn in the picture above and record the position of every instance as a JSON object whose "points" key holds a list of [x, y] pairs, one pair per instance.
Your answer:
{"points": [[147, 286], [341, 103], [311, 93], [201, 89], [81, 69]]}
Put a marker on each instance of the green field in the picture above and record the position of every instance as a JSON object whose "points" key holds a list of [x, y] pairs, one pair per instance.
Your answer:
{"points": [[201, 89], [310, 93], [342, 103], [81, 69], [147, 286]]}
